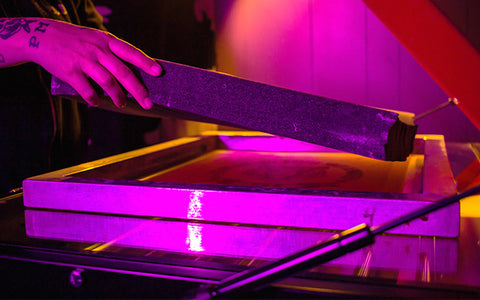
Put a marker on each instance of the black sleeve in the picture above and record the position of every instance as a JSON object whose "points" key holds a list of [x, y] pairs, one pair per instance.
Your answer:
{"points": [[89, 15]]}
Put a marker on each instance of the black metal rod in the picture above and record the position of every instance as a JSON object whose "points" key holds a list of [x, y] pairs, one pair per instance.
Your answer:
{"points": [[339, 245], [13, 193]]}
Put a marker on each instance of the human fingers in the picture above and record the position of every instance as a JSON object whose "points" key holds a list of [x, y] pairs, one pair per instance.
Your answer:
{"points": [[129, 53], [107, 81], [83, 87], [127, 79]]}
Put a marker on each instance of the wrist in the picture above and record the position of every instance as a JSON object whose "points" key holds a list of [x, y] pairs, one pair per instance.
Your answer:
{"points": [[20, 39]]}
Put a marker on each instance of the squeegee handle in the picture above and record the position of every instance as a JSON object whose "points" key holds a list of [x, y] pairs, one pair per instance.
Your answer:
{"points": [[340, 244]]}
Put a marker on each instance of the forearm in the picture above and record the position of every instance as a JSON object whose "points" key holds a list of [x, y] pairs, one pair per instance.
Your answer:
{"points": [[20, 39]]}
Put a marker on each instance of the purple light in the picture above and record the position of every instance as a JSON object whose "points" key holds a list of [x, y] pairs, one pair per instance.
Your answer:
{"points": [[388, 252], [194, 238], [195, 205]]}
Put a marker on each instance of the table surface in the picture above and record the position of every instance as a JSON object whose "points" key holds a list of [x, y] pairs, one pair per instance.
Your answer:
{"points": [[209, 252]]}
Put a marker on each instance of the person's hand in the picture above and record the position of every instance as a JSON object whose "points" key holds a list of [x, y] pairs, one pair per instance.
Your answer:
{"points": [[74, 54]]}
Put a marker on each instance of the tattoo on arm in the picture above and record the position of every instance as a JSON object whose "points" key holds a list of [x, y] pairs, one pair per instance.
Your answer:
{"points": [[41, 27], [9, 27], [33, 42], [2, 59]]}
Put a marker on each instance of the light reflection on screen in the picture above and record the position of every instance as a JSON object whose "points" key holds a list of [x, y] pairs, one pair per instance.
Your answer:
{"points": [[194, 238]]}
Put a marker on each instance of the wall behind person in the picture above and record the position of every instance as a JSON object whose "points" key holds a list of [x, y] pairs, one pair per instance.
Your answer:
{"points": [[336, 49], [164, 29]]}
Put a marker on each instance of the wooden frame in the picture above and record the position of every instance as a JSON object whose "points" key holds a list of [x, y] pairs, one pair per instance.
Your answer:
{"points": [[122, 185]]}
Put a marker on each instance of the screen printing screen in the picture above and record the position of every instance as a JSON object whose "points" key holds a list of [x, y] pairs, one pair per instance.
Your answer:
{"points": [[310, 170]]}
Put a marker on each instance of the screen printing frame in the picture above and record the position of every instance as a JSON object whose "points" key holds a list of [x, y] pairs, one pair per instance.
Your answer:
{"points": [[110, 186]]}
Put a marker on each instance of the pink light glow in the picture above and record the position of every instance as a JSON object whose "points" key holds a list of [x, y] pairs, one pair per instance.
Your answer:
{"points": [[275, 29], [194, 238], [337, 49], [400, 252], [195, 205]]}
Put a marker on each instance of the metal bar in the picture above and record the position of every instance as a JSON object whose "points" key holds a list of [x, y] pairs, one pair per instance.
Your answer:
{"points": [[161, 269], [348, 241], [451, 101], [340, 244], [13, 193]]}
